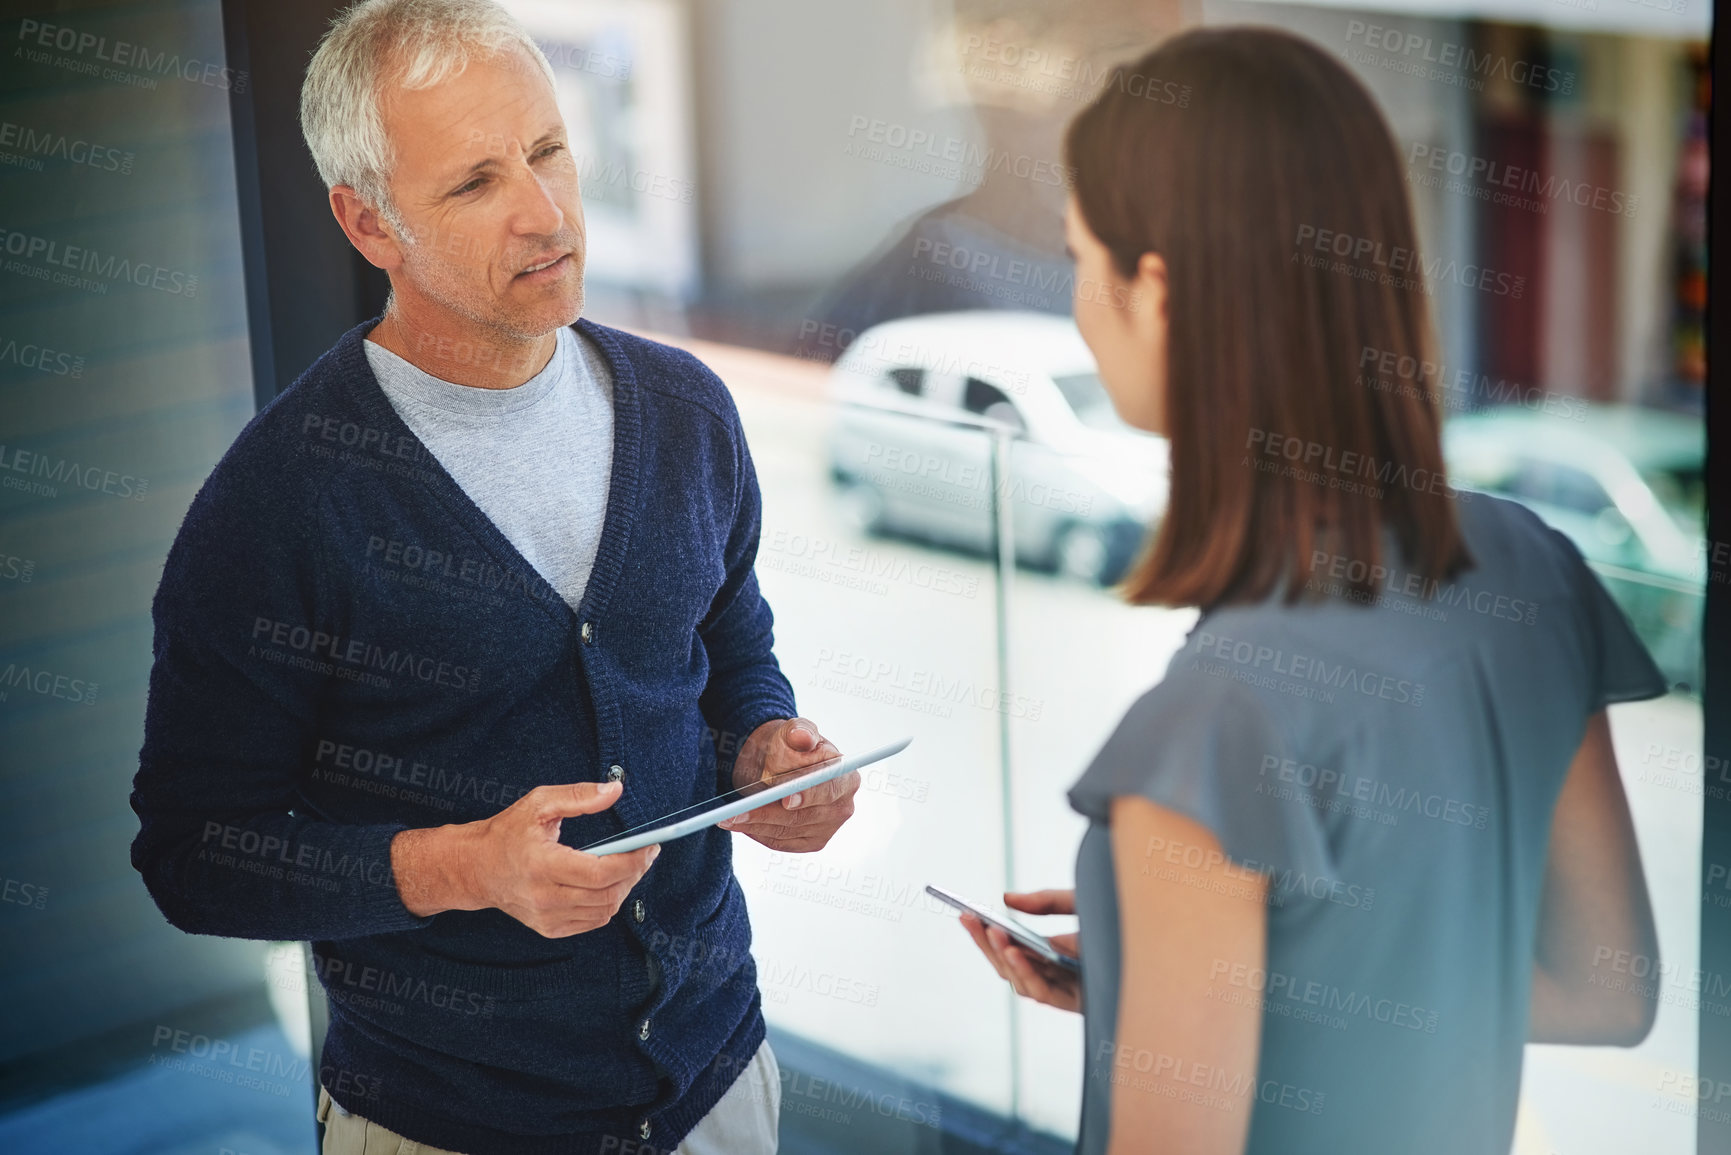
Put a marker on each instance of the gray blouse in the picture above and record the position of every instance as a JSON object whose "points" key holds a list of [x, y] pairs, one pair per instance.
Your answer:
{"points": [[1392, 767]]}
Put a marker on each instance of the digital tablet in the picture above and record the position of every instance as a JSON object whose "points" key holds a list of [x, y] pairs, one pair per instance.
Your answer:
{"points": [[1019, 934], [747, 797]]}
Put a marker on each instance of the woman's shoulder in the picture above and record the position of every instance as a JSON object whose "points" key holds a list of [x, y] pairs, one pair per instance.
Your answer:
{"points": [[1508, 539], [1209, 684], [1290, 669]]}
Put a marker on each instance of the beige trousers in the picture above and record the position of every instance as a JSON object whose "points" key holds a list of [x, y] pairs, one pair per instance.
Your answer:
{"points": [[746, 1121]]}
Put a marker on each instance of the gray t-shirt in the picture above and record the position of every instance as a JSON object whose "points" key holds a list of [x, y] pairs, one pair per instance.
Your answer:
{"points": [[1393, 768], [537, 459]]}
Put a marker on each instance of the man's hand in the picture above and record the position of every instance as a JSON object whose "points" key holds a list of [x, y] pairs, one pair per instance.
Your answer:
{"points": [[515, 862], [800, 822]]}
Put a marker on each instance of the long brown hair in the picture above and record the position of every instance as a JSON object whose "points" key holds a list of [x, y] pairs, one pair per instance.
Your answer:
{"points": [[1300, 380]]}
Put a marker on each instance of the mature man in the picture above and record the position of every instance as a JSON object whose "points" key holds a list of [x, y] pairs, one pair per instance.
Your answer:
{"points": [[475, 591]]}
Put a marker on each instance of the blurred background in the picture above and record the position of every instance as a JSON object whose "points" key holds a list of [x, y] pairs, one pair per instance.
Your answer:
{"points": [[853, 213]]}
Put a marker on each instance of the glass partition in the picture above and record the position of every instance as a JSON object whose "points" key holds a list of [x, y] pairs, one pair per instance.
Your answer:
{"points": [[875, 555], [1647, 1098]]}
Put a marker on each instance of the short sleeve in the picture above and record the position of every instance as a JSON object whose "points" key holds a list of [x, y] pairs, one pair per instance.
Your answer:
{"points": [[1619, 667], [1204, 746]]}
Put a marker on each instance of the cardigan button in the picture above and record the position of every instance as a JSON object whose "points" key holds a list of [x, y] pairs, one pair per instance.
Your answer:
{"points": [[637, 909], [615, 773], [643, 1128], [588, 633], [643, 1030]]}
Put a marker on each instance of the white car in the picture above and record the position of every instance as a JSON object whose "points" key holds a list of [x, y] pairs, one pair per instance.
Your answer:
{"points": [[922, 400]]}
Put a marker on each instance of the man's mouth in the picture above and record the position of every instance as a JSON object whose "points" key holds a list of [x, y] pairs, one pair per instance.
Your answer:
{"points": [[543, 265]]}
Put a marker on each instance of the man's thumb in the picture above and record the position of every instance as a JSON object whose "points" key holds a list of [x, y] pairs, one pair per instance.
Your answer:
{"points": [[578, 798]]}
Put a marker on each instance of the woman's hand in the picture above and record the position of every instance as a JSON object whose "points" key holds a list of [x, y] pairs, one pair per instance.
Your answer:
{"points": [[1028, 974]]}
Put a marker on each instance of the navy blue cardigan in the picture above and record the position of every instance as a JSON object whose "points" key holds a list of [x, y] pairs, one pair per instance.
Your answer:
{"points": [[347, 647]]}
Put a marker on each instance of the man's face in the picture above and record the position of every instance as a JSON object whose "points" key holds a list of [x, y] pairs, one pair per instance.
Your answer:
{"points": [[486, 184]]}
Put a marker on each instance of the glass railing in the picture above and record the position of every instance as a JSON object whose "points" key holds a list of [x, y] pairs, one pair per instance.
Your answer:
{"points": [[883, 636]]}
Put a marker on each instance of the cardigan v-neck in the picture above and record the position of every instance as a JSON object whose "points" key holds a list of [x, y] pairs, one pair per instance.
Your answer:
{"points": [[621, 485]]}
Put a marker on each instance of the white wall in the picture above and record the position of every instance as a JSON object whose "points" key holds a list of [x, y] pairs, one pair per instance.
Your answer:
{"points": [[779, 82]]}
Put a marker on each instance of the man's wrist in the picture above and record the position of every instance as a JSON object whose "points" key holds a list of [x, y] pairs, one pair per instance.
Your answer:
{"points": [[429, 865]]}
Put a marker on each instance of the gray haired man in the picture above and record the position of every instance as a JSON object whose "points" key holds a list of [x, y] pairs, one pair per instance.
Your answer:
{"points": [[590, 651]]}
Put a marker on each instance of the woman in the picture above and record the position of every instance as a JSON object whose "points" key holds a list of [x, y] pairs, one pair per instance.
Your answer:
{"points": [[1367, 836]]}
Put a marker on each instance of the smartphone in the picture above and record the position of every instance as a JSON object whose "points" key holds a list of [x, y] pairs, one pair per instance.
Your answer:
{"points": [[1019, 934]]}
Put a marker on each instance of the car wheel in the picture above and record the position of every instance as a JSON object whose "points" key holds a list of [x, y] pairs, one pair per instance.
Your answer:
{"points": [[1084, 552], [862, 506]]}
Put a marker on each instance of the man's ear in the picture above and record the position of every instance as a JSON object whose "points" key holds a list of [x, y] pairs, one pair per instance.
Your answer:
{"points": [[366, 230]]}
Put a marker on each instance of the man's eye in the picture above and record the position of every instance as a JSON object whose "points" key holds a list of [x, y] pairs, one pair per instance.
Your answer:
{"points": [[550, 150], [471, 186]]}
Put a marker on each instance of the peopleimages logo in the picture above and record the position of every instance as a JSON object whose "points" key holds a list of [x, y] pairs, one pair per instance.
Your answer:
{"points": [[1457, 63], [1322, 786], [245, 849], [59, 146], [41, 358], [352, 658], [1497, 181], [1329, 567], [1174, 860], [394, 776], [425, 567], [29, 248], [593, 173], [949, 156], [886, 351], [21, 893], [38, 473], [1306, 668], [1460, 388], [815, 556], [1345, 469], [1190, 1082], [938, 478], [1282, 988], [380, 988], [1386, 263], [123, 54], [1038, 69], [47, 683], [990, 272]]}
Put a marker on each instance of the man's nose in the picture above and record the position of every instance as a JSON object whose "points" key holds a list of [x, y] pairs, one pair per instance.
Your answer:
{"points": [[533, 209]]}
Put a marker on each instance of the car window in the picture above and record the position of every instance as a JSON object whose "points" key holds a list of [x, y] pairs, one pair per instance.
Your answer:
{"points": [[907, 379], [1562, 486], [990, 401], [943, 389], [1087, 396]]}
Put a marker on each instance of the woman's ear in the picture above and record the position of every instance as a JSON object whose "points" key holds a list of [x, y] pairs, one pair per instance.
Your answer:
{"points": [[1148, 291], [1149, 318]]}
